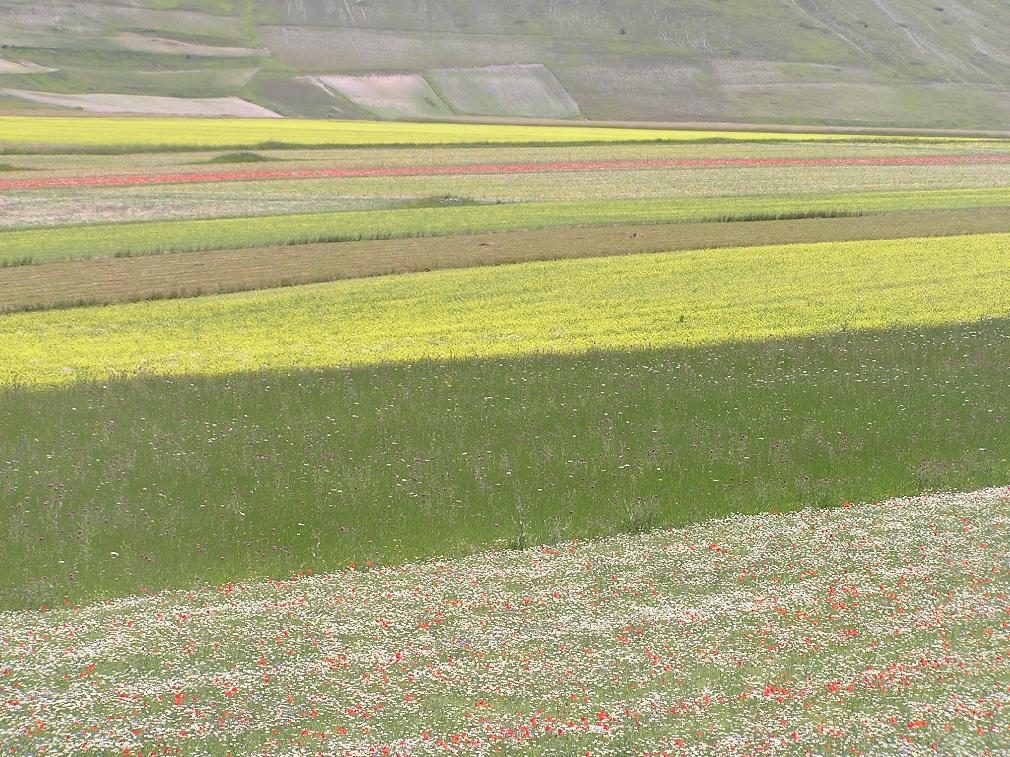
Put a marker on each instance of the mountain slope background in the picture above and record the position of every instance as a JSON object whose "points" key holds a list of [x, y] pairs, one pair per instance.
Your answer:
{"points": [[932, 63]]}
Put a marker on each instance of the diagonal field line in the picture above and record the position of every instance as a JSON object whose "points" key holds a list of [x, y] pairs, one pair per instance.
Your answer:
{"points": [[493, 168]]}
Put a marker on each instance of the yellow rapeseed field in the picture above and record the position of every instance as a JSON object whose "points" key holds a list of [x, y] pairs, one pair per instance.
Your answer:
{"points": [[201, 132], [684, 298]]}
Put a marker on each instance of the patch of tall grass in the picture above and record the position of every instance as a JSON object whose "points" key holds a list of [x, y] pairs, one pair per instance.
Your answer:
{"points": [[107, 488]]}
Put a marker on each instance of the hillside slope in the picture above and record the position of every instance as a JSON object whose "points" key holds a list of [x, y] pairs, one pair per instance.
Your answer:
{"points": [[873, 62]]}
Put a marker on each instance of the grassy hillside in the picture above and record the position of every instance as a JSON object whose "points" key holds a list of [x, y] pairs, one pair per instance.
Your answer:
{"points": [[879, 62]]}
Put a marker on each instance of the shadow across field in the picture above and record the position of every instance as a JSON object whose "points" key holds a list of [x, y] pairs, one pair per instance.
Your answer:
{"points": [[117, 280], [171, 482]]}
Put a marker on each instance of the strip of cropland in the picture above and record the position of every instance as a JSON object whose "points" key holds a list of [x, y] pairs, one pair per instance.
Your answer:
{"points": [[682, 298], [149, 277], [19, 247], [123, 205], [118, 180], [54, 134], [54, 165]]}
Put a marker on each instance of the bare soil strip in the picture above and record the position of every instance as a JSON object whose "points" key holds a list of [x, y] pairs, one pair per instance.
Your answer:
{"points": [[119, 180], [191, 274]]}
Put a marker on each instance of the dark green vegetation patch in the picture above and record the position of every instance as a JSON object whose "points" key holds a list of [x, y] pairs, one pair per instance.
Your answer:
{"points": [[239, 157]]}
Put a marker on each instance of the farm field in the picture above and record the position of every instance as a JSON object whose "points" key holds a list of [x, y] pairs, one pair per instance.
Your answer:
{"points": [[126, 134], [42, 164], [683, 298], [444, 218], [377, 436], [106, 280], [483, 169], [65, 194], [72, 205]]}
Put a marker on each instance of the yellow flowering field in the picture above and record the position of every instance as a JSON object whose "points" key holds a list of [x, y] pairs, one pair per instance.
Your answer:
{"points": [[683, 298], [201, 132]]}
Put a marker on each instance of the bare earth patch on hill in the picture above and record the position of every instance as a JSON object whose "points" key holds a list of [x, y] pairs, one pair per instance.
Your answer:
{"points": [[163, 46], [148, 105], [20, 67], [522, 90], [392, 96]]}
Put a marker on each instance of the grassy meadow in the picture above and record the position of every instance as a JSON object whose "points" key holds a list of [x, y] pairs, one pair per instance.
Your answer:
{"points": [[208, 479], [598, 498], [557, 650]]}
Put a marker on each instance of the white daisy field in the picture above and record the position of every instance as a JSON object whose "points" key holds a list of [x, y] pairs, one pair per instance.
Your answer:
{"points": [[878, 629]]}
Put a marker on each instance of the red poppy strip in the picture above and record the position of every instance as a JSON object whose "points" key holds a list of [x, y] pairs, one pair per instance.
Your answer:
{"points": [[494, 168]]}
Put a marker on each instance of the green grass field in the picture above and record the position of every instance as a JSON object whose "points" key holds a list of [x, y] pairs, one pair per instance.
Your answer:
{"points": [[405, 440], [201, 479]]}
